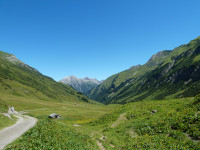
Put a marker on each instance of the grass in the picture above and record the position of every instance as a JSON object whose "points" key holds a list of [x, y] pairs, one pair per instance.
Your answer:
{"points": [[5, 121], [175, 125], [49, 134], [196, 59]]}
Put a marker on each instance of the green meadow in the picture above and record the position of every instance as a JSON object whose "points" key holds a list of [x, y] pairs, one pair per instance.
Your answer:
{"points": [[54, 134], [163, 124]]}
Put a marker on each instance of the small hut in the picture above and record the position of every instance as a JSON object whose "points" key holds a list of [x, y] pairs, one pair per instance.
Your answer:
{"points": [[54, 116]]}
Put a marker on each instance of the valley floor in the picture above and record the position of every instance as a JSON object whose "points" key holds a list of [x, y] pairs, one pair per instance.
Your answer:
{"points": [[166, 124]]}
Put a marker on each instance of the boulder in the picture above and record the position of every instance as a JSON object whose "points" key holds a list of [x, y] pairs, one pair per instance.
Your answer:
{"points": [[11, 111]]}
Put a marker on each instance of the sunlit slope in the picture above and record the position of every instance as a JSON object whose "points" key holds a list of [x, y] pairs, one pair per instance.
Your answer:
{"points": [[19, 79], [165, 124], [168, 74]]}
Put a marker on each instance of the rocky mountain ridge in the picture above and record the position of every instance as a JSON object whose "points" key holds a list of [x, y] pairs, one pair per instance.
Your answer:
{"points": [[82, 85]]}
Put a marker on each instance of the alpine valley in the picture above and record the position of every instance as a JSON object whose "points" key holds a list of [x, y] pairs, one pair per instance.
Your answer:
{"points": [[150, 106]]}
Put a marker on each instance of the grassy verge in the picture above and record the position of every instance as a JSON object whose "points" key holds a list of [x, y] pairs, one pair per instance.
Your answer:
{"points": [[6, 122], [50, 134]]}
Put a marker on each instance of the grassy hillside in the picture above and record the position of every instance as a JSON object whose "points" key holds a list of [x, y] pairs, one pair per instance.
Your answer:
{"points": [[168, 74], [166, 124], [3, 106], [19, 79]]}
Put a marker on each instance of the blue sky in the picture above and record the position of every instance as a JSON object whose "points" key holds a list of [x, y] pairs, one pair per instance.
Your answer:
{"points": [[95, 38]]}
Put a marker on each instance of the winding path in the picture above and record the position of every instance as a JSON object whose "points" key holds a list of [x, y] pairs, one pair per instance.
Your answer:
{"points": [[119, 120], [10, 134]]}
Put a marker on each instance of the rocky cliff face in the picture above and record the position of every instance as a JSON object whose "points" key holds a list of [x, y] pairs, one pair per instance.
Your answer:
{"points": [[82, 85]]}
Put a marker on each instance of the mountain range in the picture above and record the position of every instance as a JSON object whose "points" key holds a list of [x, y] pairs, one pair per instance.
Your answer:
{"points": [[82, 85], [167, 74]]}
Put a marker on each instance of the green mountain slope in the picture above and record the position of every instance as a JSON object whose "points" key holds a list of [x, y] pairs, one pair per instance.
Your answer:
{"points": [[168, 74], [19, 79]]}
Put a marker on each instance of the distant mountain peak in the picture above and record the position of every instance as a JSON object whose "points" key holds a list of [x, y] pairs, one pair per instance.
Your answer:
{"points": [[81, 84], [87, 78], [72, 76]]}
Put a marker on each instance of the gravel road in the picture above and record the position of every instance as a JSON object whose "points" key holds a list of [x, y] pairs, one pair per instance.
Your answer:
{"points": [[10, 134]]}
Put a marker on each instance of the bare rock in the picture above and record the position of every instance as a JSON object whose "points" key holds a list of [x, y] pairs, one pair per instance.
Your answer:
{"points": [[11, 111], [154, 111]]}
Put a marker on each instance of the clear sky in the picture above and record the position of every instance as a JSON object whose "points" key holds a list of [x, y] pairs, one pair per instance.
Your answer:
{"points": [[95, 38]]}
